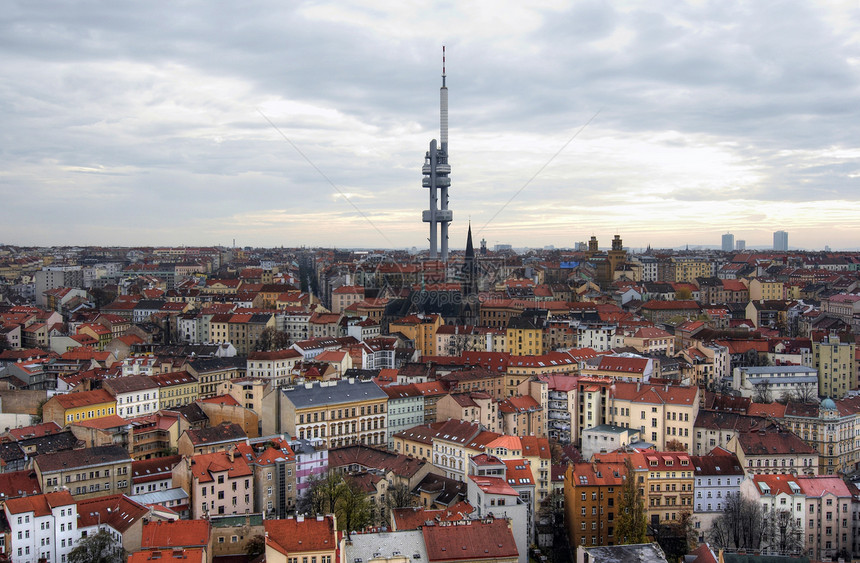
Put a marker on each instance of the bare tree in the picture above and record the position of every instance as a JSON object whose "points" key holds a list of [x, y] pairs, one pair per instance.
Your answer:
{"points": [[740, 526], [783, 535], [761, 392], [806, 393]]}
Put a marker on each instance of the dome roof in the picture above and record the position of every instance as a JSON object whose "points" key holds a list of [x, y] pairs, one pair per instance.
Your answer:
{"points": [[828, 404]]}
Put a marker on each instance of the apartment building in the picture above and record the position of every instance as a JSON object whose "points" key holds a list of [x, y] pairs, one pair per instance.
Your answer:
{"points": [[41, 527], [340, 412], [592, 496], [88, 472], [136, 395]]}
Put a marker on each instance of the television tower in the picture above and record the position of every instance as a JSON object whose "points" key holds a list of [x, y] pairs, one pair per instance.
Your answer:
{"points": [[436, 170]]}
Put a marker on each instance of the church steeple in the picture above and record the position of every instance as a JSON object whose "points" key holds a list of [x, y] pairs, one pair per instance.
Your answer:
{"points": [[470, 250]]}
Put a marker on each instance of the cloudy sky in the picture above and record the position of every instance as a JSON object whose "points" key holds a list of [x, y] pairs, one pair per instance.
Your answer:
{"points": [[148, 122]]}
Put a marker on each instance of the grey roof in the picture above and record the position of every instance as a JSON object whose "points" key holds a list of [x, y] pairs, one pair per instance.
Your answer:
{"points": [[638, 552], [404, 543], [236, 520], [86, 457], [223, 433], [129, 384], [51, 443], [160, 497], [615, 429], [767, 370], [333, 393], [217, 364]]}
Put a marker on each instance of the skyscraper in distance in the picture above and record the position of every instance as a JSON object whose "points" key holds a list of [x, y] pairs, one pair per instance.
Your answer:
{"points": [[740, 244], [728, 242], [780, 241]]}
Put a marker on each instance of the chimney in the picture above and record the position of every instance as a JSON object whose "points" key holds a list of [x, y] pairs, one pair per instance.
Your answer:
{"points": [[300, 518]]}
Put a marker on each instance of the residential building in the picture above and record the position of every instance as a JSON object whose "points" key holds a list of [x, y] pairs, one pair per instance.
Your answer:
{"points": [[718, 477], [175, 389], [592, 498], [41, 527], [311, 461], [87, 472], [490, 540], [832, 428], [136, 395], [420, 329], [274, 466], [490, 493], [829, 526], [836, 364], [777, 493], [768, 383], [405, 409], [774, 450], [340, 412], [275, 366], [168, 536], [118, 515], [218, 483], [74, 407], [300, 539], [780, 241]]}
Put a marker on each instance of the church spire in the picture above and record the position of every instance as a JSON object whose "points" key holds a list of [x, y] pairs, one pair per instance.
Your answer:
{"points": [[470, 249]]}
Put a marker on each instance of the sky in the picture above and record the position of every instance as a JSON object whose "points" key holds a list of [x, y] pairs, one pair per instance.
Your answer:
{"points": [[295, 123]]}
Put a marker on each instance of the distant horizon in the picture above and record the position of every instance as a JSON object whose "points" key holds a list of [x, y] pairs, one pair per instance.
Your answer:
{"points": [[416, 250]]}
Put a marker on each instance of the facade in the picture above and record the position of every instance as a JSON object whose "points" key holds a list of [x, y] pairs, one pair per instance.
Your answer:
{"points": [[773, 450], [718, 477], [405, 409], [832, 428], [837, 366], [136, 395], [275, 366], [87, 473], [175, 389], [41, 527], [340, 412], [777, 382], [218, 483], [311, 461], [828, 524], [420, 329], [592, 495]]}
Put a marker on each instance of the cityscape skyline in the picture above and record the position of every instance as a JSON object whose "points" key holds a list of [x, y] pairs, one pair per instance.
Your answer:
{"points": [[129, 126]]}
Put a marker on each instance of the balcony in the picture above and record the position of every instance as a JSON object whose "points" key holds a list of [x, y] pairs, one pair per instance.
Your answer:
{"points": [[559, 415]]}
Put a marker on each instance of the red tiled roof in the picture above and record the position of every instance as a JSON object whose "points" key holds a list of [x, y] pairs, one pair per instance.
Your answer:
{"points": [[40, 505], [309, 534], [117, 511], [476, 540], [181, 533]]}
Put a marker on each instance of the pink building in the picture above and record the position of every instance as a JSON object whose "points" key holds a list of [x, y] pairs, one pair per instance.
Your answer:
{"points": [[827, 528], [221, 483]]}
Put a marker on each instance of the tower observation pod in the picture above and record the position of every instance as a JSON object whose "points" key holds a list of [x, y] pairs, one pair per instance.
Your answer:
{"points": [[436, 171]]}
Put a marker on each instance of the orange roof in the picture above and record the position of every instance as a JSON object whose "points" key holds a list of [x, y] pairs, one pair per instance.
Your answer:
{"points": [[203, 465], [193, 555], [181, 533], [301, 534], [84, 398], [40, 505]]}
